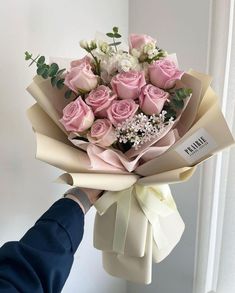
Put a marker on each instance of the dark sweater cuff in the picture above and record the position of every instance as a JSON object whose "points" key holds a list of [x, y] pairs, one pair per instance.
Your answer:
{"points": [[69, 215]]}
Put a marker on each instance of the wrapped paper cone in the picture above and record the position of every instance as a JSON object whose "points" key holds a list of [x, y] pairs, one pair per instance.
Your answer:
{"points": [[112, 182], [172, 176], [43, 124], [50, 99], [61, 155]]}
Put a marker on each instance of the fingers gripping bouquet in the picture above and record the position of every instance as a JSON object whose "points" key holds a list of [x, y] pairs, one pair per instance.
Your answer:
{"points": [[128, 121]]}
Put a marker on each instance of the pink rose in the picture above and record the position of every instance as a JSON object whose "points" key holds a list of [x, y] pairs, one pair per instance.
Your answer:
{"points": [[138, 41], [102, 133], [163, 73], [81, 78], [152, 99], [77, 116], [127, 85], [86, 60], [120, 110], [100, 99]]}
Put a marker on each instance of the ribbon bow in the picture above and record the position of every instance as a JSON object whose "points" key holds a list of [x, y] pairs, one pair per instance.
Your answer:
{"points": [[156, 201]]}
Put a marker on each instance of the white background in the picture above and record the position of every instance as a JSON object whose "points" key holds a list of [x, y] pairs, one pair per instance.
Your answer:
{"points": [[54, 28]]}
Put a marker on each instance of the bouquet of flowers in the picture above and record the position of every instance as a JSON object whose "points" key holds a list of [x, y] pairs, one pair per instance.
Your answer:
{"points": [[127, 120]]}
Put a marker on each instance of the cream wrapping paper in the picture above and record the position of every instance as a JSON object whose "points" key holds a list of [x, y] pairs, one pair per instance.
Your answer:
{"points": [[137, 220]]}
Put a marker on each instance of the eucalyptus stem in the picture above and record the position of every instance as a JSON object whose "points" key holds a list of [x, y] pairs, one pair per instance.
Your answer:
{"points": [[114, 42]]}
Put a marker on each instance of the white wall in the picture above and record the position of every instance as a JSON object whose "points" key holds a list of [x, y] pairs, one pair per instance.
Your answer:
{"points": [[181, 27], [53, 28]]}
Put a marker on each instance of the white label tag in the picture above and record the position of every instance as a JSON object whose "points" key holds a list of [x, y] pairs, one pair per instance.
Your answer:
{"points": [[197, 146]]}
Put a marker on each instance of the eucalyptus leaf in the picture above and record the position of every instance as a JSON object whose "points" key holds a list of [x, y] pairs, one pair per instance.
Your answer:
{"points": [[53, 81], [67, 94], [116, 35], [178, 103], [45, 74], [41, 60], [60, 83], [115, 29], [53, 69], [61, 71], [111, 35], [115, 44], [41, 70], [28, 56]]}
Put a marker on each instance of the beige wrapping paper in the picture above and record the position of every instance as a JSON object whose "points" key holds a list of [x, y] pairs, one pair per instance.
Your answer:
{"points": [[43, 124], [61, 155]]}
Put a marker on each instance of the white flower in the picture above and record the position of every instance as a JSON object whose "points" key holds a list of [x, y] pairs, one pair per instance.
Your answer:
{"points": [[104, 47], [83, 44], [136, 53], [115, 62], [150, 49], [126, 62], [93, 44], [142, 128]]}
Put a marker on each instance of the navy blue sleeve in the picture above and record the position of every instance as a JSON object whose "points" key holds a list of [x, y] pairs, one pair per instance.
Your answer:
{"points": [[42, 259]]}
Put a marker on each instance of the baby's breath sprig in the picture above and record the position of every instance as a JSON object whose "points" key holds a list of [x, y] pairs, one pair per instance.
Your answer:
{"points": [[141, 128]]}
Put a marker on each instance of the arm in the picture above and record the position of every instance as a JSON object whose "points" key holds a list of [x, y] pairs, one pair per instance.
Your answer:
{"points": [[42, 259]]}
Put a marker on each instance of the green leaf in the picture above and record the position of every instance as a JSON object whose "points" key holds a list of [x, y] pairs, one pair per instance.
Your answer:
{"points": [[178, 103], [115, 44], [188, 91], [53, 81], [67, 94], [60, 71], [28, 56], [111, 35], [45, 74], [41, 70], [60, 83], [41, 61], [115, 29], [117, 36], [170, 112], [53, 69]]}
